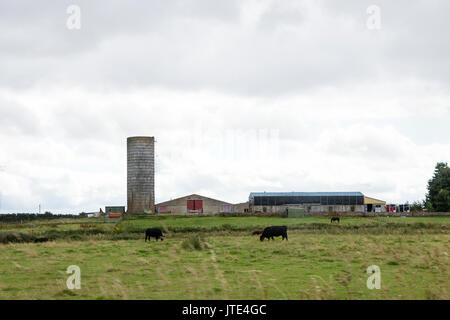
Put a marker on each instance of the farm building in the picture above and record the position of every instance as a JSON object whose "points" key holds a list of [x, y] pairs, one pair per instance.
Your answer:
{"points": [[114, 212], [241, 207], [115, 209], [374, 205], [193, 204], [308, 202]]}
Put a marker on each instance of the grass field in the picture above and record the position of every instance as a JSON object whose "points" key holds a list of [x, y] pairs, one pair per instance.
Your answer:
{"points": [[320, 261]]}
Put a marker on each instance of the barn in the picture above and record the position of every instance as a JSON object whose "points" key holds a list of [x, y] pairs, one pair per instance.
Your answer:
{"points": [[242, 207], [308, 202], [374, 205], [194, 204]]}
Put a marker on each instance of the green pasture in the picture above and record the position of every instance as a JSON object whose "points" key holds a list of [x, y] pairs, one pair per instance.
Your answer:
{"points": [[218, 258]]}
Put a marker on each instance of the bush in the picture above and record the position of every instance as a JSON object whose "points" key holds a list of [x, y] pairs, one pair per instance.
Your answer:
{"points": [[193, 243], [87, 226], [250, 214], [416, 206], [8, 237]]}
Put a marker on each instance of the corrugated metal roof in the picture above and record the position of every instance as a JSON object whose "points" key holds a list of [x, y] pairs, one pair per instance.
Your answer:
{"points": [[304, 194], [190, 197], [368, 200]]}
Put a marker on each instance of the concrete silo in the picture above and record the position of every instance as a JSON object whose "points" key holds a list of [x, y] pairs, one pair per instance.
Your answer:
{"points": [[141, 175]]}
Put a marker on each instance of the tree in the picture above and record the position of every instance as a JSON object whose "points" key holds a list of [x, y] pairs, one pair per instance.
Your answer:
{"points": [[416, 206], [438, 196], [443, 201]]}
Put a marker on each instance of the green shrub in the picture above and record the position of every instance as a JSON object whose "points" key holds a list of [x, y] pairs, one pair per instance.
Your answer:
{"points": [[8, 237], [193, 243]]}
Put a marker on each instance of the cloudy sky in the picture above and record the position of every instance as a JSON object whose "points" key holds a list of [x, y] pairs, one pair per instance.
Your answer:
{"points": [[241, 96]]}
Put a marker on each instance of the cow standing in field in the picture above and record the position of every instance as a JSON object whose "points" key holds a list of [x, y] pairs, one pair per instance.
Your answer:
{"points": [[335, 219], [274, 231], [155, 233]]}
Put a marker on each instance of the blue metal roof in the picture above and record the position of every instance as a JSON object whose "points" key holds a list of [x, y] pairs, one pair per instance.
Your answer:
{"points": [[304, 194]]}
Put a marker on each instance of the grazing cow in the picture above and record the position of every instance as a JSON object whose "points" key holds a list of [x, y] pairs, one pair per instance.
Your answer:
{"points": [[335, 219], [40, 240], [260, 231], [274, 231], [155, 233]]}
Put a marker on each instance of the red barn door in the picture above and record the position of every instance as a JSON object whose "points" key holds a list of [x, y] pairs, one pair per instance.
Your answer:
{"points": [[191, 204], [195, 206], [199, 205]]}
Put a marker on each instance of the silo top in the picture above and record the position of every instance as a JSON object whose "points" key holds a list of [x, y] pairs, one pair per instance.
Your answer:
{"points": [[141, 138]]}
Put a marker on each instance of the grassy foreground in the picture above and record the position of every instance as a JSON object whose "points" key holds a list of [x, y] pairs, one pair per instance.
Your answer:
{"points": [[316, 263]]}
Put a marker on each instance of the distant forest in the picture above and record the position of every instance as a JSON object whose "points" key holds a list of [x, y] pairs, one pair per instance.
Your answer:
{"points": [[24, 217]]}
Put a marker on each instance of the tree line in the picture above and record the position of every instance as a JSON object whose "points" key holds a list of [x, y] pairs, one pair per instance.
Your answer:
{"points": [[26, 217], [438, 195]]}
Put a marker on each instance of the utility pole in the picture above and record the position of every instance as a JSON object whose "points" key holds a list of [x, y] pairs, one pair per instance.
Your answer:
{"points": [[39, 208]]}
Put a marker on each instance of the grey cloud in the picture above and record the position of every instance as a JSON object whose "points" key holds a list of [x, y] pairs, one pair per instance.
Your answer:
{"points": [[16, 118], [206, 45]]}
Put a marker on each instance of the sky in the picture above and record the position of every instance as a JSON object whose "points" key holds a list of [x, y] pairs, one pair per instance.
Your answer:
{"points": [[241, 96]]}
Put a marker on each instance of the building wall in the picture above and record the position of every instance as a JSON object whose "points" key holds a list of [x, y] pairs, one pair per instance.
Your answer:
{"points": [[309, 208], [378, 208], [179, 206], [115, 209], [314, 202], [241, 207]]}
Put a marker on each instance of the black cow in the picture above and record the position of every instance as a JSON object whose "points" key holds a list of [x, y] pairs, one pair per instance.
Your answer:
{"points": [[274, 231], [335, 219], [40, 240], [155, 233]]}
